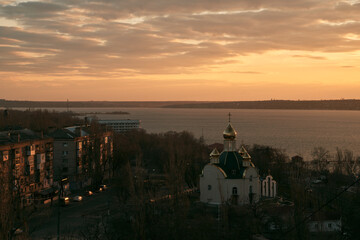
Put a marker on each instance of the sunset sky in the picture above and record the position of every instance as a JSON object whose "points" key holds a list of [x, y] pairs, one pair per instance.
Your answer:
{"points": [[179, 49]]}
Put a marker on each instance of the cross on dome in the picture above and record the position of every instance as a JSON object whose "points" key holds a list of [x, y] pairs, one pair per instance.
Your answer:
{"points": [[229, 133]]}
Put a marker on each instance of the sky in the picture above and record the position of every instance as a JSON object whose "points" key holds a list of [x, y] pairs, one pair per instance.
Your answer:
{"points": [[158, 50]]}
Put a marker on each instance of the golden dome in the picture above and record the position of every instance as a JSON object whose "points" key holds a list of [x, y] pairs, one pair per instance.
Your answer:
{"points": [[214, 153], [229, 132], [244, 153]]}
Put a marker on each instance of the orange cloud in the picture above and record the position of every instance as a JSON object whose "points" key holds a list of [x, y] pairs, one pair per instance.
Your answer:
{"points": [[179, 49]]}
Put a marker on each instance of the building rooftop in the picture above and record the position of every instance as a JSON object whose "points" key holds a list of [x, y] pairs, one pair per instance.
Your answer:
{"points": [[231, 163], [15, 136]]}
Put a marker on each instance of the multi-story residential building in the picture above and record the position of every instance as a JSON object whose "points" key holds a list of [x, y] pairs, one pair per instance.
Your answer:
{"points": [[77, 153], [121, 125], [69, 156], [26, 161]]}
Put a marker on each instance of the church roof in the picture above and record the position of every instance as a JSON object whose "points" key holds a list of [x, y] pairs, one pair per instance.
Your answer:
{"points": [[244, 153], [231, 163], [214, 153], [231, 160]]}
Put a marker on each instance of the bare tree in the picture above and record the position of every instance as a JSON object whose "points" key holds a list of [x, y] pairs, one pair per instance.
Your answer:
{"points": [[321, 158], [347, 163]]}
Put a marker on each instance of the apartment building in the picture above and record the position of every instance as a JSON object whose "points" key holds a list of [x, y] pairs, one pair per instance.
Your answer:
{"points": [[78, 152], [26, 163]]}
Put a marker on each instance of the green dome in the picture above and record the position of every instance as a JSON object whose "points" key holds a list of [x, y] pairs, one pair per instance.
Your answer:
{"points": [[231, 163]]}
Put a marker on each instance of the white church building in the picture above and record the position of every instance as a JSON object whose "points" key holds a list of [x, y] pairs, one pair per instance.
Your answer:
{"points": [[231, 177]]}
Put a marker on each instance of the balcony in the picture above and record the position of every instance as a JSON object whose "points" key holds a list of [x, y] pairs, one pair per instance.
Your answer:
{"points": [[79, 145], [78, 152], [40, 157], [30, 150], [30, 160], [17, 153], [4, 155], [49, 156]]}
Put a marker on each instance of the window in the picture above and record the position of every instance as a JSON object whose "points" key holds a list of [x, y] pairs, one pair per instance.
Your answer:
{"points": [[233, 171], [234, 190], [250, 178], [250, 189], [329, 225], [209, 187], [65, 153], [65, 144], [65, 169]]}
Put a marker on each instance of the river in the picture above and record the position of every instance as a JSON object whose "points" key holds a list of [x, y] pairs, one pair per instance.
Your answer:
{"points": [[294, 131]]}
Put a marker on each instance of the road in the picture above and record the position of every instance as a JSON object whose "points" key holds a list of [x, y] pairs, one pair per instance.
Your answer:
{"points": [[74, 218]]}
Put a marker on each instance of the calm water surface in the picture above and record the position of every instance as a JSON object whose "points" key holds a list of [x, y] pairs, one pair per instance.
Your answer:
{"points": [[295, 131]]}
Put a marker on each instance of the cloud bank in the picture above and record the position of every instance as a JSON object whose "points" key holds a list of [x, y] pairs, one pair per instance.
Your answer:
{"points": [[117, 39]]}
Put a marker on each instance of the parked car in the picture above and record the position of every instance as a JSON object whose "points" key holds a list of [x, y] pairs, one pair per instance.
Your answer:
{"points": [[89, 193], [77, 198], [17, 231], [103, 187], [64, 201]]}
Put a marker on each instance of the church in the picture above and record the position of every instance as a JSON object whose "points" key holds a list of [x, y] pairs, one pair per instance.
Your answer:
{"points": [[230, 177]]}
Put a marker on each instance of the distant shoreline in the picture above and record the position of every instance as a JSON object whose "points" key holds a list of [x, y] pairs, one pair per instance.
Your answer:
{"points": [[95, 113], [342, 104]]}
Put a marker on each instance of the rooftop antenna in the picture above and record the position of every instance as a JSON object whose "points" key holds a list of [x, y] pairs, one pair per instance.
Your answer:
{"points": [[229, 117]]}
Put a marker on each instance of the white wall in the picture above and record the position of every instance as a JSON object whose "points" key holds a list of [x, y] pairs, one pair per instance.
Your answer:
{"points": [[215, 189], [269, 187], [211, 182]]}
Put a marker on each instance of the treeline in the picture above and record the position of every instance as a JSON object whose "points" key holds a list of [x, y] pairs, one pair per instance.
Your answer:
{"points": [[37, 120], [347, 104], [175, 154], [85, 104], [151, 175]]}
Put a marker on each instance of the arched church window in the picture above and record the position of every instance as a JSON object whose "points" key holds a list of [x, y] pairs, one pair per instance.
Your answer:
{"points": [[250, 189], [233, 171], [250, 178], [209, 187], [234, 191]]}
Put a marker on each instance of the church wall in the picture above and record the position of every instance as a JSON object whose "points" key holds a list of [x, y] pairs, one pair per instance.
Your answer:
{"points": [[252, 179], [210, 182], [215, 189], [240, 185]]}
